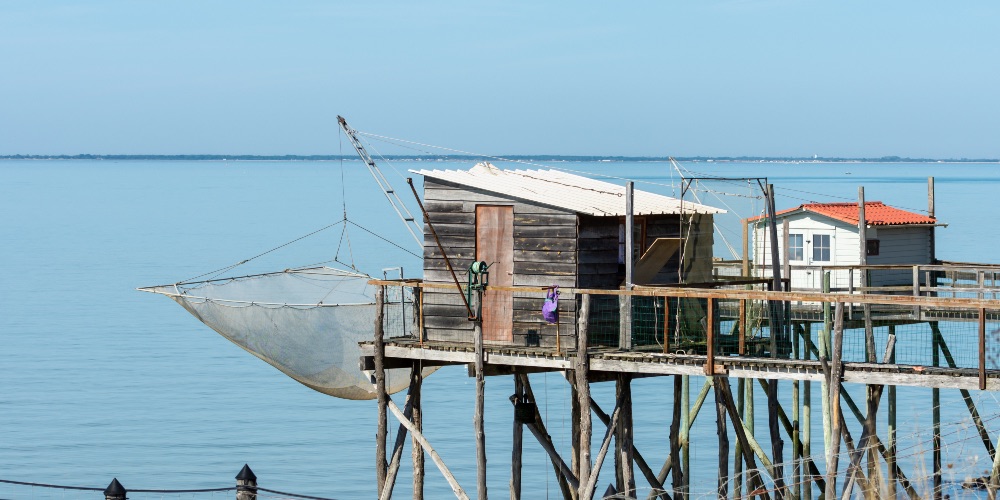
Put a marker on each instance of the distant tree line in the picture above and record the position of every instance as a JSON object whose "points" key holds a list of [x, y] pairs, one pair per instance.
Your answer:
{"points": [[576, 158]]}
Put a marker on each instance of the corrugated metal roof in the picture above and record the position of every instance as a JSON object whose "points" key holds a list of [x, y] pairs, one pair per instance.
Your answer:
{"points": [[568, 191], [876, 213]]}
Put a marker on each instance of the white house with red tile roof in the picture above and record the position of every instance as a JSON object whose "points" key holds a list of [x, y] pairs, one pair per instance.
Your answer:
{"points": [[826, 234]]}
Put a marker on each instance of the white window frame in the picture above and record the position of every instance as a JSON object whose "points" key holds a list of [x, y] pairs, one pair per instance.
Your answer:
{"points": [[794, 249], [816, 248]]}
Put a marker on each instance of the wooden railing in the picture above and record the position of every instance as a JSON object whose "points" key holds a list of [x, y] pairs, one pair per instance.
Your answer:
{"points": [[761, 319]]}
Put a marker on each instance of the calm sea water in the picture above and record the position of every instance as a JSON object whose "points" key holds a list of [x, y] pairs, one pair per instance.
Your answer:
{"points": [[98, 380]]}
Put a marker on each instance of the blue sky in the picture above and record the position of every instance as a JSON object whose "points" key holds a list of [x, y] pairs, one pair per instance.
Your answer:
{"points": [[851, 78]]}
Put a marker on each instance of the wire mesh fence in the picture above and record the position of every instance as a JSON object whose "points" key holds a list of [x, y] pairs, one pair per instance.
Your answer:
{"points": [[399, 317], [736, 322]]}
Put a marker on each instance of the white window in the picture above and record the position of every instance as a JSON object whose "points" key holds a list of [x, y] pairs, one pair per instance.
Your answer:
{"points": [[795, 247], [821, 248]]}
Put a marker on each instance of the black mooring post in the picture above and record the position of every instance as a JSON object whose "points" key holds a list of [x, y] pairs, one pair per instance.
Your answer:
{"points": [[246, 484], [115, 491]]}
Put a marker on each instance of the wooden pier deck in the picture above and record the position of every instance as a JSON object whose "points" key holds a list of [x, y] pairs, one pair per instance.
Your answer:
{"points": [[605, 362]]}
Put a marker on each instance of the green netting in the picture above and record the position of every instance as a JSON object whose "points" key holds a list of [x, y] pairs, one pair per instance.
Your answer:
{"points": [[681, 321]]}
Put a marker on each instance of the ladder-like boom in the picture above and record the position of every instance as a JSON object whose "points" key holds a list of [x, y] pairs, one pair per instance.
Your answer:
{"points": [[411, 224]]}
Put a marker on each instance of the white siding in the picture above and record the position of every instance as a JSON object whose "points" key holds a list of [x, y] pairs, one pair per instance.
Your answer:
{"points": [[806, 273], [903, 245], [898, 245]]}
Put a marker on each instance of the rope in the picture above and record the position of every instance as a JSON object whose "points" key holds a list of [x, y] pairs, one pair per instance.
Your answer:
{"points": [[85, 488], [227, 268], [385, 240], [44, 485], [400, 142], [335, 259], [138, 490]]}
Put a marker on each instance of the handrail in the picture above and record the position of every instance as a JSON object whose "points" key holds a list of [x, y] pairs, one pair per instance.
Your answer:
{"points": [[639, 291]]}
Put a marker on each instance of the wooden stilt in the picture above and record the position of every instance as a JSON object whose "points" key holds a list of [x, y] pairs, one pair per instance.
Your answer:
{"points": [[723, 434], [994, 482], [824, 354], [806, 433], [397, 449], [789, 430], [757, 450], [478, 418], [692, 416], [588, 490], [936, 413], [833, 381], [675, 439], [575, 414], [582, 372], [874, 395], [738, 460], [619, 481], [854, 474], [685, 436], [381, 467], [870, 422], [749, 423], [864, 445], [754, 484], [846, 397], [891, 431], [796, 487], [623, 436], [416, 386], [517, 445], [776, 442]]}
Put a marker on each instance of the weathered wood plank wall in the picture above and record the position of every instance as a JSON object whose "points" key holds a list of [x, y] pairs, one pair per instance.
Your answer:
{"points": [[552, 246], [544, 254]]}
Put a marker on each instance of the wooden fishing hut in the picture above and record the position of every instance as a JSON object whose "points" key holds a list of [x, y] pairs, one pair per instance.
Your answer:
{"points": [[533, 236], [548, 228]]}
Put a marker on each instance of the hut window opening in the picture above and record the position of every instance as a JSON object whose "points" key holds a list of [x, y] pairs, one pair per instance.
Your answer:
{"points": [[796, 248], [821, 248], [871, 247]]}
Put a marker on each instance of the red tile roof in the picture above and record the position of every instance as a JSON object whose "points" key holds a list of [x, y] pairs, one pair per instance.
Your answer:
{"points": [[876, 213]]}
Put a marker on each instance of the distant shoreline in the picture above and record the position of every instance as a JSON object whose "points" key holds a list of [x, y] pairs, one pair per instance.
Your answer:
{"points": [[521, 158]]}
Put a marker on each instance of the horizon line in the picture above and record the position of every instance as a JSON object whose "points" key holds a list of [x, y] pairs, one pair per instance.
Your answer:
{"points": [[520, 157]]}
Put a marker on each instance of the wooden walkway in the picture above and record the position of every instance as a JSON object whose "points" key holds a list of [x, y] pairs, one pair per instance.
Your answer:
{"points": [[504, 360]]}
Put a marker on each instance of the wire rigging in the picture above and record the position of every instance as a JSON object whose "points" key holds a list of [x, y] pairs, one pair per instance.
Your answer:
{"points": [[217, 272]]}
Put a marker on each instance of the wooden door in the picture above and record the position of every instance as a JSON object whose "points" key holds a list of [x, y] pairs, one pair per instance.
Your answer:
{"points": [[495, 245]]}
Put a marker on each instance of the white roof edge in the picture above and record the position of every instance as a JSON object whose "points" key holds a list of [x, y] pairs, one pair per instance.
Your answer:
{"points": [[568, 191]]}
